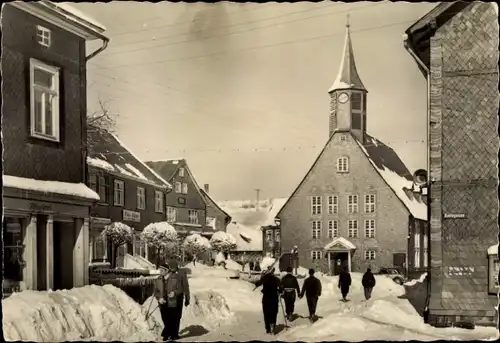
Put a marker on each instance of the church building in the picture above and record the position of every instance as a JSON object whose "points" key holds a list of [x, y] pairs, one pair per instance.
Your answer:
{"points": [[357, 203]]}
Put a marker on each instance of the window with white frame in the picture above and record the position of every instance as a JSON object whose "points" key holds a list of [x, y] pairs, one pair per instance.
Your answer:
{"points": [[181, 172], [158, 202], [316, 255], [370, 254], [370, 228], [426, 252], [315, 205], [141, 198], [352, 203], [178, 187], [333, 204], [193, 216], [342, 164], [43, 36], [277, 236], [333, 229], [140, 247], [316, 229], [369, 203], [352, 228], [171, 214], [184, 188], [417, 250], [103, 189], [44, 100], [119, 191]]}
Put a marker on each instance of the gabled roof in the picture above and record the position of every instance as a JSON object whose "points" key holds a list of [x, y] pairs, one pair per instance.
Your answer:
{"points": [[211, 201], [348, 77], [108, 153], [390, 167], [167, 169], [342, 242]]}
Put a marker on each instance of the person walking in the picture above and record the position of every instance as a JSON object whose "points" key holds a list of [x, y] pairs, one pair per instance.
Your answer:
{"points": [[312, 290], [368, 282], [344, 282], [172, 292], [271, 291], [291, 290]]}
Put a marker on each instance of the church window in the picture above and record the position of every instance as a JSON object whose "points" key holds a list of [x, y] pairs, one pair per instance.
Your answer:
{"points": [[356, 101], [342, 165]]}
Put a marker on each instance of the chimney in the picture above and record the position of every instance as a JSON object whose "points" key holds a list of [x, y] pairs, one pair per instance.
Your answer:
{"points": [[206, 187]]}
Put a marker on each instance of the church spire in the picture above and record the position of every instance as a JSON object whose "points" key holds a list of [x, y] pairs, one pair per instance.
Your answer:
{"points": [[348, 77]]}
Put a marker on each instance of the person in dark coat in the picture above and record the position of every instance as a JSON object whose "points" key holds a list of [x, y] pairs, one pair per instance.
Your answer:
{"points": [[172, 292], [291, 290], [344, 282], [271, 291], [312, 290], [256, 267], [368, 283]]}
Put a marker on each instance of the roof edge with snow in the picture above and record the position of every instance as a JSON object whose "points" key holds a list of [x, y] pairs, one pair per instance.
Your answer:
{"points": [[342, 241]]}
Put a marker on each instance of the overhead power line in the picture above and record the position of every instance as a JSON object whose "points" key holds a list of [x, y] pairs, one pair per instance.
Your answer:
{"points": [[254, 47]]}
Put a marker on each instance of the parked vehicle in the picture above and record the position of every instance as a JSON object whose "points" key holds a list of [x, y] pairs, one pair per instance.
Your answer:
{"points": [[394, 274]]}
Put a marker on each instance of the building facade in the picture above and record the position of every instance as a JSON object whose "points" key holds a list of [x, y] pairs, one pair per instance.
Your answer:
{"points": [[271, 242], [45, 200], [217, 218], [456, 48], [355, 204], [186, 207], [130, 192]]}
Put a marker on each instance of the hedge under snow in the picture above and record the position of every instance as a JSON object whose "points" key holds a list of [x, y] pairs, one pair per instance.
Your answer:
{"points": [[223, 242]]}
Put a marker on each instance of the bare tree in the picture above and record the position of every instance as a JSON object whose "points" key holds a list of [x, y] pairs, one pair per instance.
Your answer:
{"points": [[102, 119]]}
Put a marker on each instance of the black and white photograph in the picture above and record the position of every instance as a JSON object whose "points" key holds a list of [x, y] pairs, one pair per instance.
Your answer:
{"points": [[250, 171]]}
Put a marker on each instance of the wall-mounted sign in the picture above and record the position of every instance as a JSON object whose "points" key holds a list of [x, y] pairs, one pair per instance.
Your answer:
{"points": [[40, 207], [181, 200], [131, 216], [455, 216]]}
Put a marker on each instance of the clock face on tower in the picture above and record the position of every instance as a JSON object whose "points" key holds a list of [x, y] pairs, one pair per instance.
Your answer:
{"points": [[343, 98]]}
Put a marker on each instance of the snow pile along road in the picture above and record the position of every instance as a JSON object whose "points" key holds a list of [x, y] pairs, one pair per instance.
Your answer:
{"points": [[91, 312]]}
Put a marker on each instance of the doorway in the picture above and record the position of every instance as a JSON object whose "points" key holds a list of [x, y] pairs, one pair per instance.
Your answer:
{"points": [[337, 261], [63, 245]]}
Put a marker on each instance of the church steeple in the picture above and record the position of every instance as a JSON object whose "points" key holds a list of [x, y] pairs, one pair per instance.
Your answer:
{"points": [[348, 95]]}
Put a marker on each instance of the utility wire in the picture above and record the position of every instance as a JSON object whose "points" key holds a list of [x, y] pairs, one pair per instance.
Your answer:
{"points": [[209, 17], [227, 33], [254, 47]]}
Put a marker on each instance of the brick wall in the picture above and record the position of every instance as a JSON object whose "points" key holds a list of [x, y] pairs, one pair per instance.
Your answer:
{"points": [[391, 216], [464, 157], [23, 155]]}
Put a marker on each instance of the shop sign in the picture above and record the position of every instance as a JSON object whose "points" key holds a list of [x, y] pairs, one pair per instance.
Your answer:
{"points": [[131, 216], [455, 216], [13, 228], [35, 207]]}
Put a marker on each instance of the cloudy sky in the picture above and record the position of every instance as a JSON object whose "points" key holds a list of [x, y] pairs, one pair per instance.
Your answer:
{"points": [[240, 90]]}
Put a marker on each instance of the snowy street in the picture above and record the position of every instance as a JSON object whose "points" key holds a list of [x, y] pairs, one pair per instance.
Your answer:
{"points": [[222, 309]]}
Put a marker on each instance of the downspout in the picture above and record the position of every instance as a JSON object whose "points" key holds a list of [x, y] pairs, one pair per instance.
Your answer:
{"points": [[105, 42], [408, 48]]}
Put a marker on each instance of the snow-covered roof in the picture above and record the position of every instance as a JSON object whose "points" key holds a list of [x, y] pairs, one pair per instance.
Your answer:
{"points": [[276, 205], [493, 250], [56, 187], [209, 201], [85, 19], [107, 152], [394, 172], [342, 241], [167, 167], [248, 213], [248, 238], [347, 77]]}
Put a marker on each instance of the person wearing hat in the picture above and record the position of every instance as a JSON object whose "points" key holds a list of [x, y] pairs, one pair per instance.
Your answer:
{"points": [[271, 291], [312, 290], [172, 292], [291, 290]]}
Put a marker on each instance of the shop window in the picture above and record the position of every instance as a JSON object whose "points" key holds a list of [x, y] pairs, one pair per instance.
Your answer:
{"points": [[13, 235]]}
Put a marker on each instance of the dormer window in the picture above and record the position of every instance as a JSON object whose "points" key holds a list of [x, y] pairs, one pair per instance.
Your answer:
{"points": [[343, 165], [43, 36], [356, 110], [181, 172]]}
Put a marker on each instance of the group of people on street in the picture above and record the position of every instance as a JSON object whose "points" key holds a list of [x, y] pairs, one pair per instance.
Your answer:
{"points": [[288, 288]]}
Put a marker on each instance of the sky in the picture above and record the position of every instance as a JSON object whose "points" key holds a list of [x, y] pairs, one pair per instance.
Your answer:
{"points": [[240, 89]]}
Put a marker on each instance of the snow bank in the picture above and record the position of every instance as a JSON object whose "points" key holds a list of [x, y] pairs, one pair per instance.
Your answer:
{"points": [[231, 264], [100, 313], [66, 188], [415, 281], [266, 262]]}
